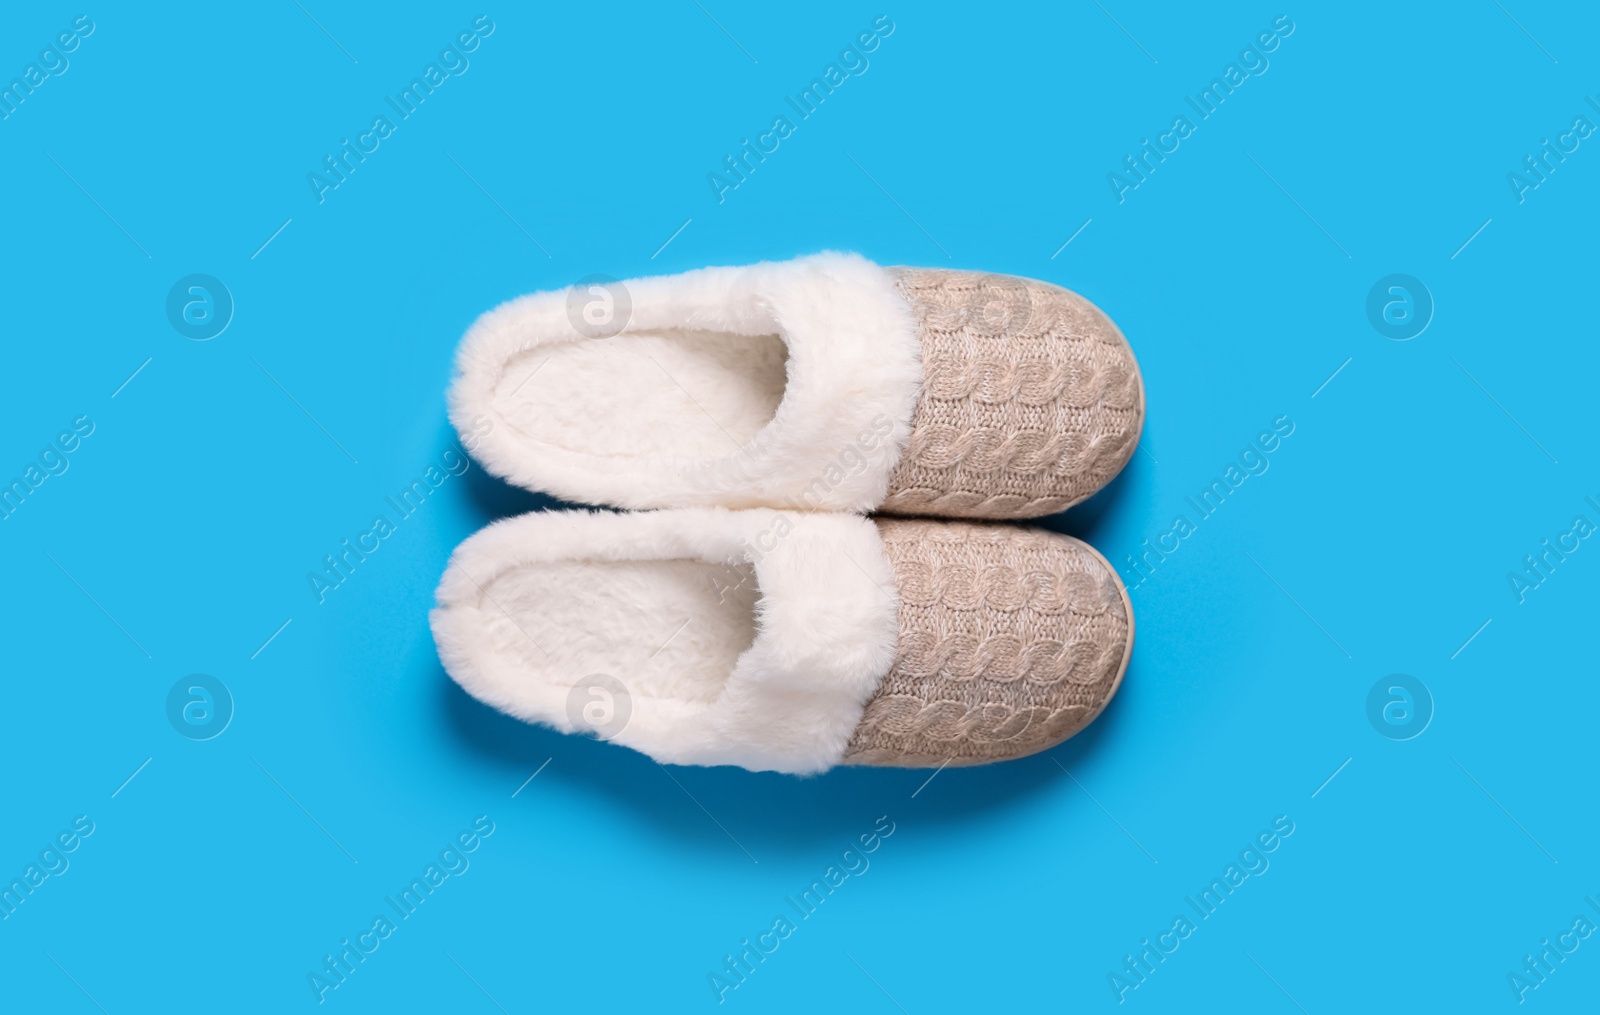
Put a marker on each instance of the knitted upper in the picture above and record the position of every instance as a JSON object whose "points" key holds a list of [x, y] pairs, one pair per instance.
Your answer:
{"points": [[1031, 398], [1011, 640]]}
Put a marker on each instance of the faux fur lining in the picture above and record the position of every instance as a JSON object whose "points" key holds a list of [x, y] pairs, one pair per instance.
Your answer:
{"points": [[751, 638], [810, 370]]}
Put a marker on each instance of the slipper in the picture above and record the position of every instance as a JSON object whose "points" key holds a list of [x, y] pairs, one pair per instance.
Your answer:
{"points": [[825, 383], [786, 641]]}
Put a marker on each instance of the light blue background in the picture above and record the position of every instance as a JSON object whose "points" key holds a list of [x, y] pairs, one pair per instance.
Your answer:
{"points": [[1415, 480]]}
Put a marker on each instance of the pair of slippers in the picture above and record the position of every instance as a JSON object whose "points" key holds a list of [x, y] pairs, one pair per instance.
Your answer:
{"points": [[746, 611]]}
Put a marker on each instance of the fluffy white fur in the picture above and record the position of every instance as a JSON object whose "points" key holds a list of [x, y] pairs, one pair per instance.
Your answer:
{"points": [[771, 672], [785, 384]]}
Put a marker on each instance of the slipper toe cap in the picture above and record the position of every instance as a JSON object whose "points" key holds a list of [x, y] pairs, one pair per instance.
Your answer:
{"points": [[1011, 641], [1031, 400]]}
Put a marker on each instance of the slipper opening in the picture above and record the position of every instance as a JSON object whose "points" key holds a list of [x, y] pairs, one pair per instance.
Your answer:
{"points": [[670, 631], [668, 393]]}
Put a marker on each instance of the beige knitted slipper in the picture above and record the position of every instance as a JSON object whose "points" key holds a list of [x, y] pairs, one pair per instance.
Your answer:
{"points": [[823, 383], [786, 641]]}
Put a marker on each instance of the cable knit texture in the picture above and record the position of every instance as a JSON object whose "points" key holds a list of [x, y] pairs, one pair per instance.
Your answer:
{"points": [[1031, 398], [1011, 641]]}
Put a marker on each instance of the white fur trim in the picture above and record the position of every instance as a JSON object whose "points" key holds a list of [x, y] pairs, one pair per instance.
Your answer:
{"points": [[693, 404], [770, 673]]}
